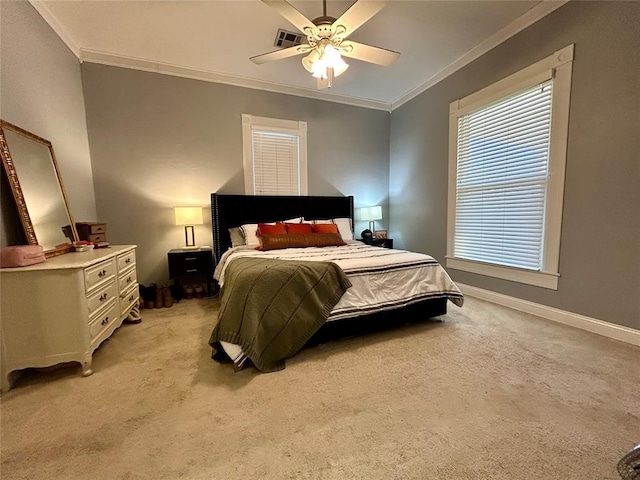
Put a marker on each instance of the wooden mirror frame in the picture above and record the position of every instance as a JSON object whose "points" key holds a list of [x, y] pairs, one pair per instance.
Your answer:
{"points": [[14, 183]]}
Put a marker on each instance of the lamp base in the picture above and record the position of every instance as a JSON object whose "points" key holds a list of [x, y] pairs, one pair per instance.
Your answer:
{"points": [[190, 247]]}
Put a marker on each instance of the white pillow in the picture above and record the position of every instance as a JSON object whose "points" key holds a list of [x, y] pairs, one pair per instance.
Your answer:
{"points": [[344, 226], [250, 230], [237, 239]]}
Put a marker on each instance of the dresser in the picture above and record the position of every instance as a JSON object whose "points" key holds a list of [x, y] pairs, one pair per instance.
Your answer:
{"points": [[63, 309]]}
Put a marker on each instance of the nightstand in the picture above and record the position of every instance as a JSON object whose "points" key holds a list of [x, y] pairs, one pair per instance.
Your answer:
{"points": [[379, 242], [191, 264]]}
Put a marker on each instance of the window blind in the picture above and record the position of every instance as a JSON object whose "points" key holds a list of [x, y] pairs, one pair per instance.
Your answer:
{"points": [[276, 165], [501, 183]]}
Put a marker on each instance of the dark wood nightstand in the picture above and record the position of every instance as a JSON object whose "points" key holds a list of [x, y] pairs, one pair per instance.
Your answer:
{"points": [[379, 242], [191, 264]]}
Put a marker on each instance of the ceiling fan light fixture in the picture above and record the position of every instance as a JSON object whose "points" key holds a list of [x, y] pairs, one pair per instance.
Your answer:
{"points": [[321, 59], [309, 61], [325, 37]]}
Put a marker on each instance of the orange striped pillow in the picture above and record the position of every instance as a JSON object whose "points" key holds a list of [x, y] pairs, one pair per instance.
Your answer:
{"points": [[276, 242]]}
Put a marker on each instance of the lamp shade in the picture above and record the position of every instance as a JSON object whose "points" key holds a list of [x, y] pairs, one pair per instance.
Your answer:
{"points": [[188, 215], [371, 213]]}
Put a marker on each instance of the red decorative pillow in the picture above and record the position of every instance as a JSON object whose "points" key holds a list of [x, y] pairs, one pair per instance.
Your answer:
{"points": [[324, 228], [298, 228], [266, 229], [276, 242]]}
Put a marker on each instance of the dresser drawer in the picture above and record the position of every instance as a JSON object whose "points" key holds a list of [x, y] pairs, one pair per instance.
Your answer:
{"points": [[127, 278], [99, 273], [98, 237], [102, 319], [102, 297], [126, 260], [128, 299]]}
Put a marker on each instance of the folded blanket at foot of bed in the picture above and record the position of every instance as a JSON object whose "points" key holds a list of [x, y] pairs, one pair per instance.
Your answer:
{"points": [[271, 308]]}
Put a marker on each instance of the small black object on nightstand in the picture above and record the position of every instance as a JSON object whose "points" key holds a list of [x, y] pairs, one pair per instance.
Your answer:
{"points": [[191, 264], [379, 242]]}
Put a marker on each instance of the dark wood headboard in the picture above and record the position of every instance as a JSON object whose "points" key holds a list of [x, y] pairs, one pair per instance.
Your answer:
{"points": [[229, 211]]}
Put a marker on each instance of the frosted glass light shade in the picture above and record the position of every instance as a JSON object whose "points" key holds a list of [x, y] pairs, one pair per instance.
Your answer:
{"points": [[371, 213], [188, 215]]}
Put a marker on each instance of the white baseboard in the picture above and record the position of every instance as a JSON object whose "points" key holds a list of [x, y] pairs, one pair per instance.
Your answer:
{"points": [[611, 330]]}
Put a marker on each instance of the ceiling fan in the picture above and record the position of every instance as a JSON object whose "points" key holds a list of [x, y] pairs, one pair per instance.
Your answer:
{"points": [[326, 40]]}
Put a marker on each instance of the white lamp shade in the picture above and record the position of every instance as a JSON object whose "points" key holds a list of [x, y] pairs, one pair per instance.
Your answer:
{"points": [[188, 215], [317, 63], [371, 213]]}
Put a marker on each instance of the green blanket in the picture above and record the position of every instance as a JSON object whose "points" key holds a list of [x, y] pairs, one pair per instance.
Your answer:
{"points": [[272, 307]]}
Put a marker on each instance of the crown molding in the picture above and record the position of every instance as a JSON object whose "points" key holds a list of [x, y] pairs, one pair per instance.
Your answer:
{"points": [[536, 13], [104, 58], [544, 8], [57, 27]]}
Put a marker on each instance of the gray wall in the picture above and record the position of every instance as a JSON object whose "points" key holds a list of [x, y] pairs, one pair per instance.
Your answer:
{"points": [[42, 92], [159, 141], [600, 249]]}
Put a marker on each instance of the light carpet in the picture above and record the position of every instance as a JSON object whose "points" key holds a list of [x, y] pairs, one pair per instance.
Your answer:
{"points": [[489, 393]]}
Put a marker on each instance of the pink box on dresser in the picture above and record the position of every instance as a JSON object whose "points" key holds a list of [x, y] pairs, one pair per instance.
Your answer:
{"points": [[21, 256]]}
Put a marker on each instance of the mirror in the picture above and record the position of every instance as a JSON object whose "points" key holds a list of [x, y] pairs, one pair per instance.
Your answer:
{"points": [[35, 181]]}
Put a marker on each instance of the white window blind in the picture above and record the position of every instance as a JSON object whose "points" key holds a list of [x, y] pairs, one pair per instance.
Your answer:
{"points": [[502, 180], [276, 164]]}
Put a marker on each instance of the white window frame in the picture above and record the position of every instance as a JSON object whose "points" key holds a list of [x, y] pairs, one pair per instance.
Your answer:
{"points": [[265, 124], [557, 67]]}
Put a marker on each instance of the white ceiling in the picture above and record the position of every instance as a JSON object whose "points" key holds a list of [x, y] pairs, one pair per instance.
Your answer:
{"points": [[213, 40]]}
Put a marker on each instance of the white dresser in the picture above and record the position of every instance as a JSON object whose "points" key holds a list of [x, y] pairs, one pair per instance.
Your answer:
{"points": [[62, 309]]}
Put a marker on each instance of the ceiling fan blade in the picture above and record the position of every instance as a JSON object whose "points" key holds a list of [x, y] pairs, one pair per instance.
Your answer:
{"points": [[368, 53], [358, 14], [289, 12], [278, 55]]}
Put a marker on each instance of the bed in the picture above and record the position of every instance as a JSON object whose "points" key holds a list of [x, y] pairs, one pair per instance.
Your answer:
{"points": [[380, 283]]}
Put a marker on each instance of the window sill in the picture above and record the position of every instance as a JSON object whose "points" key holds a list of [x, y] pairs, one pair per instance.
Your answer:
{"points": [[520, 275]]}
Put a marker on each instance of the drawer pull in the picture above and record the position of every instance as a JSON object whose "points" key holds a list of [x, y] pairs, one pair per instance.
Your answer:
{"points": [[191, 258], [129, 279], [103, 297], [102, 273], [192, 270], [105, 321], [128, 260], [131, 297]]}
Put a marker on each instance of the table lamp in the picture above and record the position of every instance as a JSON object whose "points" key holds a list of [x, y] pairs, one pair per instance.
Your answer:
{"points": [[370, 214], [189, 216]]}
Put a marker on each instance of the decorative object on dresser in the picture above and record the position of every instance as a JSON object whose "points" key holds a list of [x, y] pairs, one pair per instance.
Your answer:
{"points": [[21, 256], [92, 231], [37, 188], [189, 216], [75, 302], [190, 265]]}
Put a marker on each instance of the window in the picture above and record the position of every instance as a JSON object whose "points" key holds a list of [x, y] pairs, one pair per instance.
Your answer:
{"points": [[507, 152], [275, 156]]}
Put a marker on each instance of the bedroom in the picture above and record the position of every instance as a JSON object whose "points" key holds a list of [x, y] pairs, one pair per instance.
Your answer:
{"points": [[124, 169]]}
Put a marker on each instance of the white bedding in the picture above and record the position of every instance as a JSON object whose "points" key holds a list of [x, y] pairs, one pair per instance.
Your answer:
{"points": [[382, 278]]}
